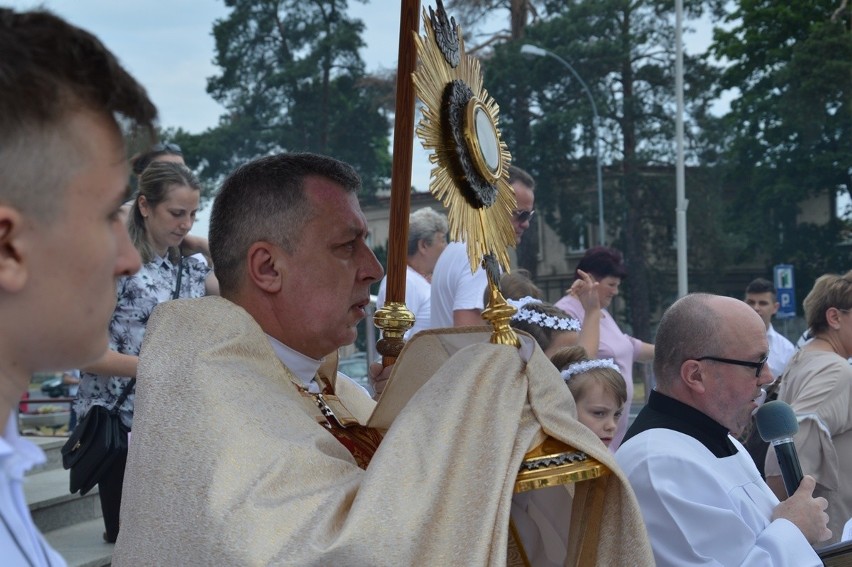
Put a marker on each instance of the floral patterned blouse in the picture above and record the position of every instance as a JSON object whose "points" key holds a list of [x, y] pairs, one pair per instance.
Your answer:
{"points": [[138, 295]]}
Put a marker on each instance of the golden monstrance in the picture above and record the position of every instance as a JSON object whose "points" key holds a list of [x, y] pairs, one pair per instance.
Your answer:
{"points": [[470, 177]]}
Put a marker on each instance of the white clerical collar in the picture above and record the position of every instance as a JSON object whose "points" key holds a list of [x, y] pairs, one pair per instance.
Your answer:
{"points": [[304, 367]]}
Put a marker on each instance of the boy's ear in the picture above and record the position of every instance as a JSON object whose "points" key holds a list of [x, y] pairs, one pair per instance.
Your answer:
{"points": [[13, 270]]}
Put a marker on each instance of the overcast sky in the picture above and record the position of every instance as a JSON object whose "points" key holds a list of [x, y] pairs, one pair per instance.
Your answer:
{"points": [[168, 46]]}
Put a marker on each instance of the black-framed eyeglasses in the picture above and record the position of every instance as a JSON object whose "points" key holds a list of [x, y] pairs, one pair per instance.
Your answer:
{"points": [[167, 147], [758, 366], [523, 216]]}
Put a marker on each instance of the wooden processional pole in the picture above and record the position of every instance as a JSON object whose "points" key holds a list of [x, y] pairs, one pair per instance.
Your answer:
{"points": [[394, 319]]}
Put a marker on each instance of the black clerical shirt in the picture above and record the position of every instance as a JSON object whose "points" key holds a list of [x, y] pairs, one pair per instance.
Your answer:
{"points": [[663, 412]]}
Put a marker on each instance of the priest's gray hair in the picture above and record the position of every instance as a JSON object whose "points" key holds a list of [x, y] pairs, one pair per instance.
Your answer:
{"points": [[265, 200], [690, 328], [424, 224]]}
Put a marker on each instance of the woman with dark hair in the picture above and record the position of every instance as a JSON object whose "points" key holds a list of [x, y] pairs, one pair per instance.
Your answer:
{"points": [[817, 383], [160, 218], [606, 267]]}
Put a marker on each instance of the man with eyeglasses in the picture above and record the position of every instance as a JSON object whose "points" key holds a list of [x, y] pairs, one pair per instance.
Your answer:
{"points": [[701, 495], [457, 294]]}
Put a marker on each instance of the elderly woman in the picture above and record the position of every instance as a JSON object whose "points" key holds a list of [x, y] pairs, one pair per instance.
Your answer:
{"points": [[427, 238], [606, 267], [817, 383]]}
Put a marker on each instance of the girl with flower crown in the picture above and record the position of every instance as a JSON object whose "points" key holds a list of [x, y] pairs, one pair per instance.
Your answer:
{"points": [[606, 267], [551, 327], [598, 387]]}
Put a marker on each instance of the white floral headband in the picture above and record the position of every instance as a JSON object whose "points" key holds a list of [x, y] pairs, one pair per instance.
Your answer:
{"points": [[586, 365], [541, 319]]}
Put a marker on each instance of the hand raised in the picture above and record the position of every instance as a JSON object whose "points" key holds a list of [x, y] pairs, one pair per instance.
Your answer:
{"points": [[586, 290]]}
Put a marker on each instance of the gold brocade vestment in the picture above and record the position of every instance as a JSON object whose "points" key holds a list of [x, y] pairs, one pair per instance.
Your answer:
{"points": [[227, 468]]}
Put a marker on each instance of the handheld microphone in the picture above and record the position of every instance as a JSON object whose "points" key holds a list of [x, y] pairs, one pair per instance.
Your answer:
{"points": [[777, 424]]}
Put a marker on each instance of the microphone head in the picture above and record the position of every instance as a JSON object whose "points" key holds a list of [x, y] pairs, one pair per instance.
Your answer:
{"points": [[776, 420]]}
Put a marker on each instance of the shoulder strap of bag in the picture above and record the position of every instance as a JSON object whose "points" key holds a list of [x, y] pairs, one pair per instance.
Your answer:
{"points": [[126, 392], [176, 293]]}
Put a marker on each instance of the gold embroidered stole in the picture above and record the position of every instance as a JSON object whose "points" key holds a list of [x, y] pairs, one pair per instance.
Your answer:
{"points": [[330, 412]]}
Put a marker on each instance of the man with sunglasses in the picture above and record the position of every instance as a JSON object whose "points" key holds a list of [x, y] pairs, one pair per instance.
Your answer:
{"points": [[457, 294], [701, 496]]}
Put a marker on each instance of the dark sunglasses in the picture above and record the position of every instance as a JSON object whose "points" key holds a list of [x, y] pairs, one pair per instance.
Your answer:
{"points": [[523, 216], [167, 147], [758, 366]]}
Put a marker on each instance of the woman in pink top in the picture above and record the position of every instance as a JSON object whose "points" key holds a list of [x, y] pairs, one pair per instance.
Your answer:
{"points": [[606, 266]]}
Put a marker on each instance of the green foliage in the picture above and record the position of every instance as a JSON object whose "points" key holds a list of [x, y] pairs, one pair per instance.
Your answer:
{"points": [[789, 134], [291, 79], [624, 53], [819, 250]]}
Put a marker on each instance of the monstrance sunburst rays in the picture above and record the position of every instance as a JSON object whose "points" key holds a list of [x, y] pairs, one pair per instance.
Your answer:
{"points": [[470, 178], [459, 123]]}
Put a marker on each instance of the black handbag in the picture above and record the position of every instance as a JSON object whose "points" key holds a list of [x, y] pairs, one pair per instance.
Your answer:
{"points": [[95, 443]]}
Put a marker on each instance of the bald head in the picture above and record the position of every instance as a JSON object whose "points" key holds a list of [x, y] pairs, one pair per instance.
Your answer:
{"points": [[698, 325], [708, 355]]}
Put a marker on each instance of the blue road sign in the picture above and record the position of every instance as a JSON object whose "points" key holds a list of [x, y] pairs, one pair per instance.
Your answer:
{"points": [[785, 285]]}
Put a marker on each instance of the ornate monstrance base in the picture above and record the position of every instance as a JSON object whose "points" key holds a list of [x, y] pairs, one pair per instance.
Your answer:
{"points": [[553, 463]]}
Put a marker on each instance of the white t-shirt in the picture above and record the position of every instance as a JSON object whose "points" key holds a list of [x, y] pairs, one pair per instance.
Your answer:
{"points": [[418, 294], [780, 351], [454, 287]]}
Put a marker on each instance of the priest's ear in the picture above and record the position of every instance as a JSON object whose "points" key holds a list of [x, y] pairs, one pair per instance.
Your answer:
{"points": [[265, 266], [692, 375]]}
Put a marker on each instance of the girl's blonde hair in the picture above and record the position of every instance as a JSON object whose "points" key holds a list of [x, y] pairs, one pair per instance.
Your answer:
{"points": [[611, 380]]}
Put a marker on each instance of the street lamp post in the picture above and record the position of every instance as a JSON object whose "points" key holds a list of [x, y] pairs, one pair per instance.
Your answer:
{"points": [[528, 49]]}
